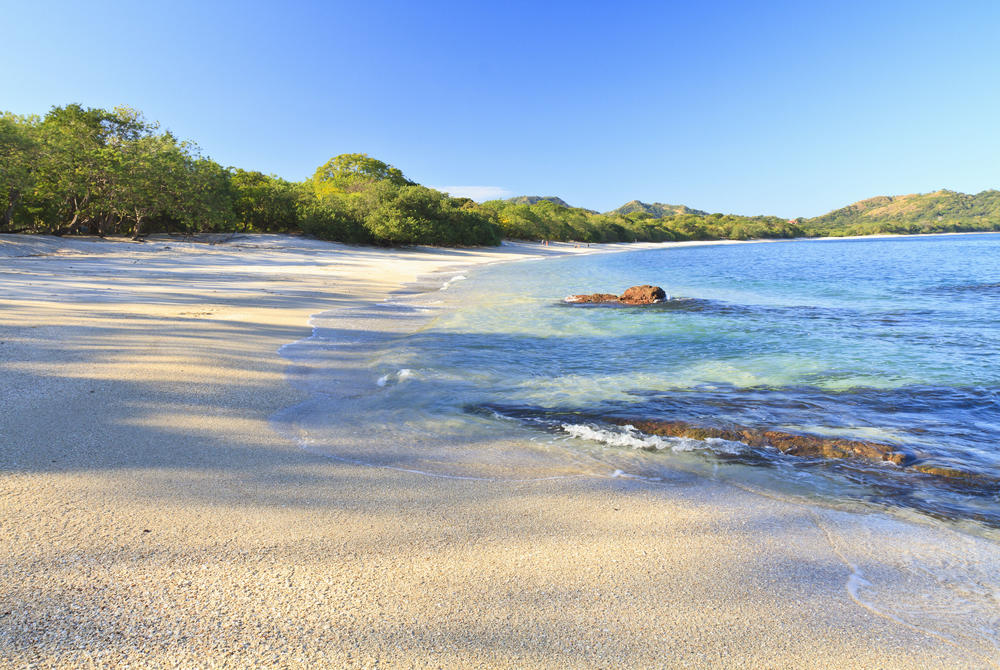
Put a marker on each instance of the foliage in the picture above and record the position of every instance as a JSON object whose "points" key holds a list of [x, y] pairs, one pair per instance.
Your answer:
{"points": [[657, 209], [939, 212], [414, 214], [83, 170], [354, 173], [264, 203], [535, 199], [547, 220], [18, 157], [107, 172]]}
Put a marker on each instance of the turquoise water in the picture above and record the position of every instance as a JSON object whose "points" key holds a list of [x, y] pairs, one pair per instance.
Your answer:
{"points": [[895, 341], [490, 375]]}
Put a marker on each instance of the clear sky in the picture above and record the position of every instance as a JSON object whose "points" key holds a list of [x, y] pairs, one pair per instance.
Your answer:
{"points": [[787, 108]]}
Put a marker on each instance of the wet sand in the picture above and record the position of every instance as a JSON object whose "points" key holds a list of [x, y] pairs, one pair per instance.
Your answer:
{"points": [[151, 517]]}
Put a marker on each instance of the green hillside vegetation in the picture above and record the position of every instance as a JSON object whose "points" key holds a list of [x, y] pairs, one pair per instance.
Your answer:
{"points": [[93, 171], [939, 212], [657, 209], [549, 221], [111, 172], [535, 199]]}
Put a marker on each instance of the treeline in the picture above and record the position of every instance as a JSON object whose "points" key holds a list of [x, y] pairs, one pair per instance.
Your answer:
{"points": [[548, 220], [93, 171], [908, 228]]}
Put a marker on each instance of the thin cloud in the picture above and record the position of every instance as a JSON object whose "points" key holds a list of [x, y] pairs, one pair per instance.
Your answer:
{"points": [[477, 193]]}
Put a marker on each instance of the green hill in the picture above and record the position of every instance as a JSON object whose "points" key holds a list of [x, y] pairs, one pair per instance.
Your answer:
{"points": [[656, 210], [535, 199], [940, 211]]}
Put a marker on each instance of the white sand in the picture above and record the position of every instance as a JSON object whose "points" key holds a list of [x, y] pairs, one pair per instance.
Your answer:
{"points": [[149, 516]]}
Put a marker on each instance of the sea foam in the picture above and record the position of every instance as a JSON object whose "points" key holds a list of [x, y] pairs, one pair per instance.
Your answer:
{"points": [[632, 438], [444, 287]]}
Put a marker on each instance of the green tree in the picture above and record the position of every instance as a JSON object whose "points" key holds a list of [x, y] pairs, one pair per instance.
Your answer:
{"points": [[264, 203], [352, 173], [19, 152], [72, 166], [151, 177], [208, 202]]}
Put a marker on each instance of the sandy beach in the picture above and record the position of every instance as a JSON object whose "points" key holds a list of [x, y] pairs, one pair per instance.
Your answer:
{"points": [[150, 515]]}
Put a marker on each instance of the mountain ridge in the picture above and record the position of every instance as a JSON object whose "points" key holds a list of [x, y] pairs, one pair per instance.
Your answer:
{"points": [[911, 208]]}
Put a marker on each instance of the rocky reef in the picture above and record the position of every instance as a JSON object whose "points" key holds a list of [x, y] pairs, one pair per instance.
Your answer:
{"points": [[634, 295], [785, 442], [814, 446]]}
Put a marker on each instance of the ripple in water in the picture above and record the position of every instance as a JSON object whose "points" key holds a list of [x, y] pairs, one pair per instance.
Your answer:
{"points": [[887, 342]]}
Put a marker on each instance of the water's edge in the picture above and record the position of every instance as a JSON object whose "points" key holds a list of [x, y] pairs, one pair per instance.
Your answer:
{"points": [[951, 594]]}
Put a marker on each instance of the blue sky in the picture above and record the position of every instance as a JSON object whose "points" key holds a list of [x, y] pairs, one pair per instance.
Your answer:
{"points": [[753, 108]]}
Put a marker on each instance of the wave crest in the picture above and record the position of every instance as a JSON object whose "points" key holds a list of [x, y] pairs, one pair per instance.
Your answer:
{"points": [[630, 437]]}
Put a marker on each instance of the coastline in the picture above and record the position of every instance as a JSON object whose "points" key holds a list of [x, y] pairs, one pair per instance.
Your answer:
{"points": [[152, 516]]}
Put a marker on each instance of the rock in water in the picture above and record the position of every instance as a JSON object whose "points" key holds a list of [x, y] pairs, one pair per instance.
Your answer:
{"points": [[789, 443], [637, 295], [643, 295], [593, 297]]}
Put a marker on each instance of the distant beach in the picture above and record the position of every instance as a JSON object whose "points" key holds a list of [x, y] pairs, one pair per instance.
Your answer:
{"points": [[151, 512]]}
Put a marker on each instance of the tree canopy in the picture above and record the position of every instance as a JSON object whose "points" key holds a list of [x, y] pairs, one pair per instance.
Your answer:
{"points": [[103, 172], [80, 170]]}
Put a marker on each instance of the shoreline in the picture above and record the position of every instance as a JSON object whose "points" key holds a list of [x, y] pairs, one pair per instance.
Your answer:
{"points": [[152, 515]]}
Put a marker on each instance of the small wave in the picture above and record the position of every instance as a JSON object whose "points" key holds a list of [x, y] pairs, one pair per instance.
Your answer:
{"points": [[404, 307], [444, 287], [630, 437], [397, 376]]}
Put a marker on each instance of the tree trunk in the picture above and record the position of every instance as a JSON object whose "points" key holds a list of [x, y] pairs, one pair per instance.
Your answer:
{"points": [[59, 232], [101, 224], [8, 215], [137, 229]]}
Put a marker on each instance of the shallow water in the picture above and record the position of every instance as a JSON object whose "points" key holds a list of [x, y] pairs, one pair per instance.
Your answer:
{"points": [[892, 341]]}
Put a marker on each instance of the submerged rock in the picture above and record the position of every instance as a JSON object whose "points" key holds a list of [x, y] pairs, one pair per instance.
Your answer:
{"points": [[787, 443], [957, 476], [593, 297], [813, 446], [636, 295]]}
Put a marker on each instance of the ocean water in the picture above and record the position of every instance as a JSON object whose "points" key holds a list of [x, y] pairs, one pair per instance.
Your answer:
{"points": [[895, 342]]}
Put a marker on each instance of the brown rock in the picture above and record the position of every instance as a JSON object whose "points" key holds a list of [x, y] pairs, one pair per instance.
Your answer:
{"points": [[813, 446], [788, 443], [643, 295], [593, 297], [944, 471]]}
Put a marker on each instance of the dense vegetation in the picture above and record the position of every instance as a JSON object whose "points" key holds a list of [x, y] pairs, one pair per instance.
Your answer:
{"points": [[535, 199], [547, 220], [938, 212], [103, 172], [656, 210], [93, 171]]}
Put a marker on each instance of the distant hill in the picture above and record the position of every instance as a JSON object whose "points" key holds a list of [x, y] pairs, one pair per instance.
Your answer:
{"points": [[535, 199], [939, 210], [657, 210]]}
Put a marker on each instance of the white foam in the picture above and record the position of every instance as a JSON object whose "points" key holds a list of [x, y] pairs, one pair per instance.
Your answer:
{"points": [[399, 376], [444, 287], [632, 438]]}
